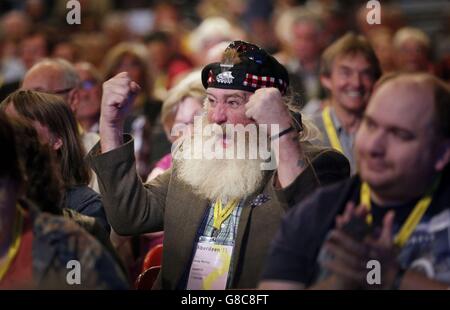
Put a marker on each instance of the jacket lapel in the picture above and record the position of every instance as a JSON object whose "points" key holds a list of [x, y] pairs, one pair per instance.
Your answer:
{"points": [[186, 213], [254, 200]]}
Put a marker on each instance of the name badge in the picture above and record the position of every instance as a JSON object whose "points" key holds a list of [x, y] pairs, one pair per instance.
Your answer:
{"points": [[210, 266]]}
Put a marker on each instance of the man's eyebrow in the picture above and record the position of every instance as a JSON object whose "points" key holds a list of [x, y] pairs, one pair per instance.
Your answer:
{"points": [[238, 95], [344, 66], [390, 127], [242, 96]]}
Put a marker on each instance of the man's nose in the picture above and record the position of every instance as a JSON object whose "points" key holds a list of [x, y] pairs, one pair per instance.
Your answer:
{"points": [[356, 80], [219, 114], [377, 143]]}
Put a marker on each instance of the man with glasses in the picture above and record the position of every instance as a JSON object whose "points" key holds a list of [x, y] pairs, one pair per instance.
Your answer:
{"points": [[59, 77], [88, 112], [219, 215]]}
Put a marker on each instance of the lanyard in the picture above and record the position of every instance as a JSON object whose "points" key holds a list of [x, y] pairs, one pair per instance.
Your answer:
{"points": [[221, 214], [331, 131], [15, 245], [414, 217]]}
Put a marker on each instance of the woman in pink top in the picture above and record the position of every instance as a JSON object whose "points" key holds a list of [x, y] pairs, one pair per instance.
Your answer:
{"points": [[183, 103]]}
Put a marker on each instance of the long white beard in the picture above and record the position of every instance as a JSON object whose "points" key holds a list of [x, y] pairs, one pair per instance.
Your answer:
{"points": [[219, 178]]}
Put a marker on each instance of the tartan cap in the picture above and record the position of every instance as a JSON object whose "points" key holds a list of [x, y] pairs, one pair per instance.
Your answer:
{"points": [[254, 69]]}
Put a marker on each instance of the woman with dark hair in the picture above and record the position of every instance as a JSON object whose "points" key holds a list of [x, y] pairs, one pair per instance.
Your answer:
{"points": [[56, 126], [43, 180], [35, 246]]}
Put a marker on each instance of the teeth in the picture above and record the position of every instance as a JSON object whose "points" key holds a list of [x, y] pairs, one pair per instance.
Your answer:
{"points": [[354, 94]]}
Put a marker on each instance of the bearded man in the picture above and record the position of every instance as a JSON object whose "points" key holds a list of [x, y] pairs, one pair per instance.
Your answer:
{"points": [[218, 213]]}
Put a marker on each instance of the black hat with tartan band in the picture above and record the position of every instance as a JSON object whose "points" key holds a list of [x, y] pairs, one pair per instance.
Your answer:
{"points": [[248, 67]]}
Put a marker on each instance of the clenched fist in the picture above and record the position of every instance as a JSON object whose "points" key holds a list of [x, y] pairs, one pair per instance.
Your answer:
{"points": [[119, 93], [266, 106], [118, 96]]}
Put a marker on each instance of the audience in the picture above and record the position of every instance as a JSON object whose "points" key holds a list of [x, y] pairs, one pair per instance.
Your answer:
{"points": [[139, 73]]}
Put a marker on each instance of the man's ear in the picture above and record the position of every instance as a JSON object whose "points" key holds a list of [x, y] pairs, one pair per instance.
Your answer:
{"points": [[443, 155], [74, 100], [57, 143]]}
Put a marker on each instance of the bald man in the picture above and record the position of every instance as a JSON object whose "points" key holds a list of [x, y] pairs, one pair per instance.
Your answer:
{"points": [[59, 77], [393, 218]]}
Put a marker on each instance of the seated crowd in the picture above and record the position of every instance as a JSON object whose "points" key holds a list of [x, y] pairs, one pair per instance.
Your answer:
{"points": [[250, 166]]}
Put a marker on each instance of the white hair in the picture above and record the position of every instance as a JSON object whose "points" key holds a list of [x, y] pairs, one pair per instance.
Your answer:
{"points": [[410, 33], [211, 29]]}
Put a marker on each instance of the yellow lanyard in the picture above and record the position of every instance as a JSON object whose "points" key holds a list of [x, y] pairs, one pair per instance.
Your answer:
{"points": [[331, 131], [15, 245], [221, 214], [414, 217]]}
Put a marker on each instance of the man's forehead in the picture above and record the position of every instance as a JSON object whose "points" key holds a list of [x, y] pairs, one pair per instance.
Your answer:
{"points": [[349, 59], [402, 103], [43, 79]]}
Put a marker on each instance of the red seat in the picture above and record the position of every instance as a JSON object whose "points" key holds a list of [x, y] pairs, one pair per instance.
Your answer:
{"points": [[153, 258], [146, 279]]}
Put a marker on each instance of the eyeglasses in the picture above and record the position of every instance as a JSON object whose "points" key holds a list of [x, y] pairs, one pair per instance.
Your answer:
{"points": [[88, 84], [60, 92]]}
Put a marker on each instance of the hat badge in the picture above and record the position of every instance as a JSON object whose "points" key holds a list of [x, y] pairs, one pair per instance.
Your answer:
{"points": [[225, 77]]}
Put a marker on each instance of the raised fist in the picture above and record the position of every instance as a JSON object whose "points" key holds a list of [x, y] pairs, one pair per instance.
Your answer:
{"points": [[119, 93], [266, 106]]}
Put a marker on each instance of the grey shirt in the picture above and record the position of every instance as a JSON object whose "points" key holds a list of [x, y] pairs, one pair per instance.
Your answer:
{"points": [[346, 139]]}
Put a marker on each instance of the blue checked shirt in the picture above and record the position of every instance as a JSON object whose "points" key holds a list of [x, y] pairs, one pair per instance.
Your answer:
{"points": [[227, 233], [228, 229]]}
